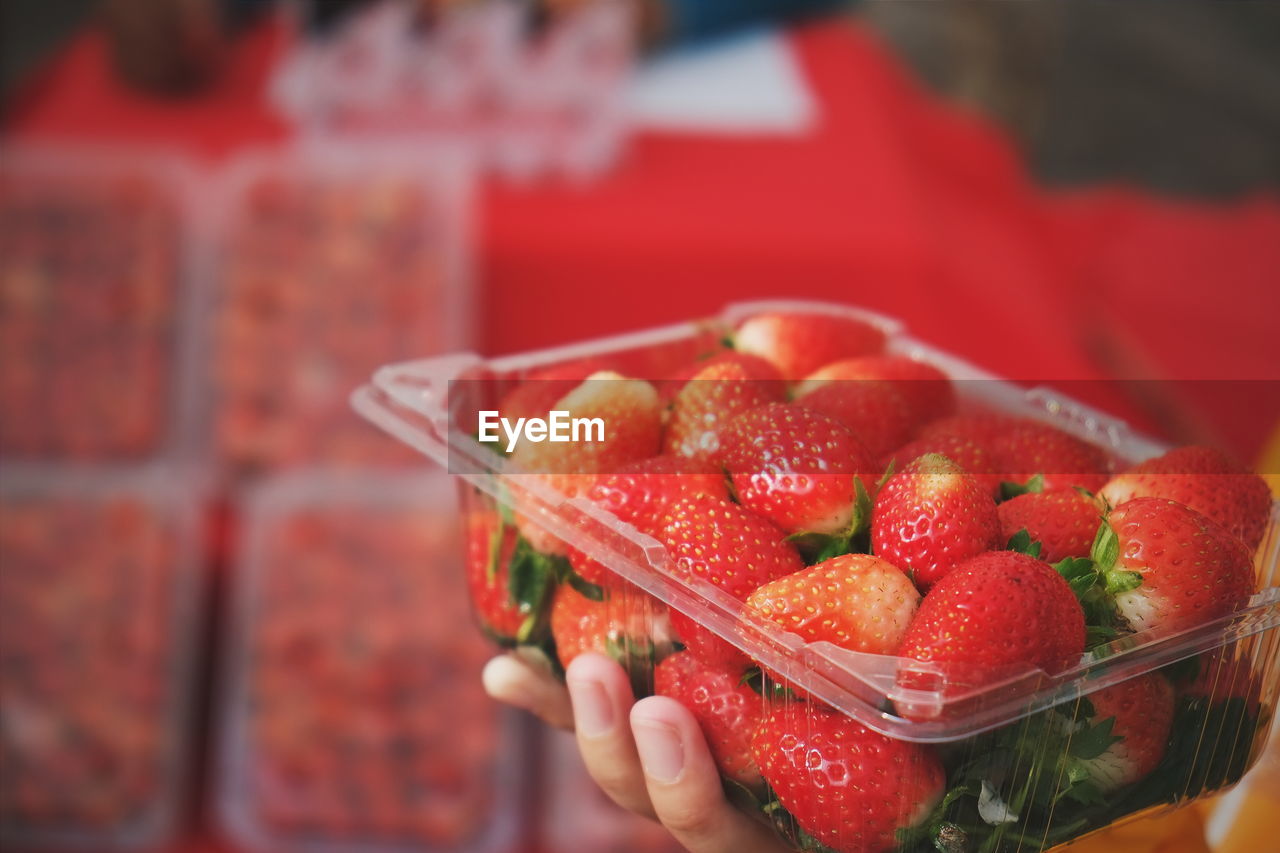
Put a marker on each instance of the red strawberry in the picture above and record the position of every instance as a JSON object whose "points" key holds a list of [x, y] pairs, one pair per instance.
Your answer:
{"points": [[930, 516], [640, 493], [1205, 480], [854, 601], [800, 343], [1029, 448], [795, 467], [847, 786], [876, 413], [1170, 567], [729, 547], [1220, 677], [926, 389], [715, 396], [963, 451], [632, 420], [490, 548], [1142, 710], [727, 710], [993, 616], [669, 387], [632, 628], [1063, 521], [539, 392], [1021, 448]]}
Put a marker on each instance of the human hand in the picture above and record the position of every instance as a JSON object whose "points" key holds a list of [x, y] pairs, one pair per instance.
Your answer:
{"points": [[650, 757]]}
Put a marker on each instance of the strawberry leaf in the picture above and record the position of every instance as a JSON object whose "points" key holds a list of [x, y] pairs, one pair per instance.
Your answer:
{"points": [[1093, 740], [1106, 548], [1010, 490], [884, 478], [1121, 582], [1022, 543], [584, 587]]}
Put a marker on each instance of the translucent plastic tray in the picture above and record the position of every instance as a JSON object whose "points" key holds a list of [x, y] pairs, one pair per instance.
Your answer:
{"points": [[352, 714], [98, 625], [95, 261], [412, 401], [328, 261]]}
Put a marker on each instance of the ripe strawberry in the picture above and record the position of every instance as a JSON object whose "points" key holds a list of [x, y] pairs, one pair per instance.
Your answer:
{"points": [[1021, 448], [541, 390], [854, 601], [1142, 710], [727, 710], [715, 396], [795, 467], [669, 387], [491, 545], [800, 343], [1170, 567], [993, 616], [926, 389], [847, 786], [729, 547], [1205, 480], [1063, 521], [963, 451], [634, 628], [633, 429], [876, 413], [930, 516], [640, 493], [1219, 677]]}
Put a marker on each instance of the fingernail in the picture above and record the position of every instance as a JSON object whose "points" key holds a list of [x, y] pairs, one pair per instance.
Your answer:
{"points": [[661, 751], [592, 710]]}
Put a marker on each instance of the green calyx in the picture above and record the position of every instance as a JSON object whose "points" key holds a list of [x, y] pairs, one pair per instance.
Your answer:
{"points": [[1010, 490], [854, 539]]}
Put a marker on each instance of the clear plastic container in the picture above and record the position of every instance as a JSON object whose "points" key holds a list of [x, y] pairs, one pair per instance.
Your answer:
{"points": [[98, 627], [95, 253], [352, 716], [1004, 746], [328, 262]]}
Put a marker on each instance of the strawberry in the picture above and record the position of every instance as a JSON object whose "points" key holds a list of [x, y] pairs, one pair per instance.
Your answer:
{"points": [[640, 493], [992, 616], [854, 601], [926, 390], [715, 396], [629, 630], [729, 547], [675, 380], [632, 417], [1169, 567], [930, 516], [1063, 521], [1205, 480], [1021, 448], [727, 710], [876, 413], [1219, 677], [491, 547], [850, 788], [795, 467], [963, 451], [539, 392], [799, 343], [1141, 711]]}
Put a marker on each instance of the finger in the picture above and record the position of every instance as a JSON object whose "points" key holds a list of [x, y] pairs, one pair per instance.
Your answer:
{"points": [[514, 682], [602, 698], [684, 785]]}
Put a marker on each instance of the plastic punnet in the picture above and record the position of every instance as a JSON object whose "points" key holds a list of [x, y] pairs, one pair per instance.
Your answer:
{"points": [[1023, 762]]}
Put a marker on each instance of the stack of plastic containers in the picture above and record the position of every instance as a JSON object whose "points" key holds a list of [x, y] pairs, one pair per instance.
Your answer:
{"points": [[349, 708], [1009, 754], [100, 534], [352, 711]]}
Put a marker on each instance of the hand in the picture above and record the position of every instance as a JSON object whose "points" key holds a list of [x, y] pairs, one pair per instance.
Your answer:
{"points": [[649, 756]]}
